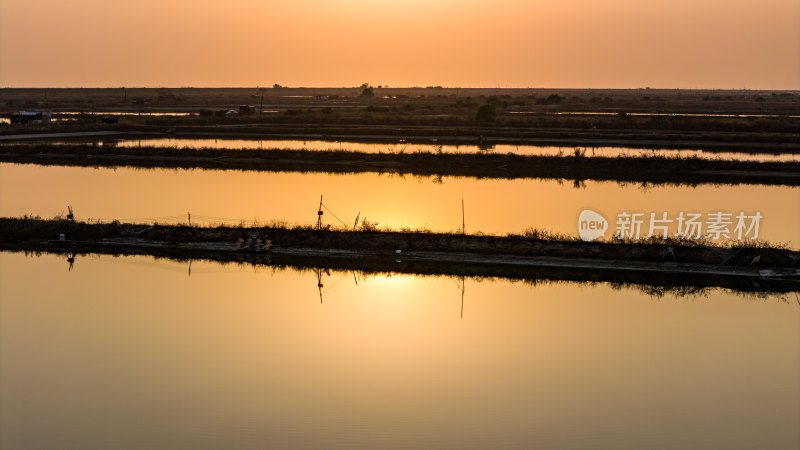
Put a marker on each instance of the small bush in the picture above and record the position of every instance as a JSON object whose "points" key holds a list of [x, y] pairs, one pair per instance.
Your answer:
{"points": [[554, 99], [495, 101], [366, 225], [486, 113]]}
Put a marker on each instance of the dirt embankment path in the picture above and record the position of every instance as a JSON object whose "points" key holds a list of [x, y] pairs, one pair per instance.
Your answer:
{"points": [[487, 254]]}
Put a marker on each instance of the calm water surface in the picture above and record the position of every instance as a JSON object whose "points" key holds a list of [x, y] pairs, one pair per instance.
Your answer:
{"points": [[492, 206], [132, 352], [398, 147], [539, 150]]}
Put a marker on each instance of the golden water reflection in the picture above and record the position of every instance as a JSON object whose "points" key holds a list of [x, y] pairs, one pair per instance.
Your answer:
{"points": [[397, 147], [132, 352], [400, 146], [492, 205]]}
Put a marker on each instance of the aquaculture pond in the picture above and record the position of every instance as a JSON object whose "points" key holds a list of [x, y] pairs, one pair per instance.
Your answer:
{"points": [[208, 197], [104, 352], [398, 146]]}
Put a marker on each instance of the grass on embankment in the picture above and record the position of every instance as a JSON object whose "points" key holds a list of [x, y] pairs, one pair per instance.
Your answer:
{"points": [[632, 133], [481, 165], [381, 242]]}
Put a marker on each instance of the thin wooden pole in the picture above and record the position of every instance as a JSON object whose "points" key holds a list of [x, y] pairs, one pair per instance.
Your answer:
{"points": [[319, 214], [463, 227]]}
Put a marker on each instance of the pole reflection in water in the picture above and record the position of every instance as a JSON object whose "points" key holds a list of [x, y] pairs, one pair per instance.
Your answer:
{"points": [[138, 354]]}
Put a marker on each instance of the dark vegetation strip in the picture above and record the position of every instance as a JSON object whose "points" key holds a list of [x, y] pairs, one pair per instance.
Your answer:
{"points": [[20, 230], [464, 120], [433, 97], [555, 129], [657, 169]]}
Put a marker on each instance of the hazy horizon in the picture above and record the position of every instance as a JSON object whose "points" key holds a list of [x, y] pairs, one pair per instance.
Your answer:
{"points": [[437, 86], [573, 44]]}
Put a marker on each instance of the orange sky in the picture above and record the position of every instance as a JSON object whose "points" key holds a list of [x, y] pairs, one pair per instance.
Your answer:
{"points": [[468, 43]]}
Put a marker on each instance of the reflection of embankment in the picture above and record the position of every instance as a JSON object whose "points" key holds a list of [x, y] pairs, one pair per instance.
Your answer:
{"points": [[507, 166], [652, 284], [517, 257]]}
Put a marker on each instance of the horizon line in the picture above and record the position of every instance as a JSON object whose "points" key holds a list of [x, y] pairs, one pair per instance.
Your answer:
{"points": [[647, 88]]}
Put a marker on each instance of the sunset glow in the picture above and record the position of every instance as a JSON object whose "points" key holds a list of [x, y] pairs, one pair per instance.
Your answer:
{"points": [[358, 224], [505, 43]]}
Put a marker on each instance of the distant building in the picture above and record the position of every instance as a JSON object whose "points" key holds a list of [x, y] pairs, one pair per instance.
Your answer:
{"points": [[23, 117]]}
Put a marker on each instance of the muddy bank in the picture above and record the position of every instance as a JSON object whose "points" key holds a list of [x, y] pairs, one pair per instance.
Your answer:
{"points": [[476, 254], [507, 166]]}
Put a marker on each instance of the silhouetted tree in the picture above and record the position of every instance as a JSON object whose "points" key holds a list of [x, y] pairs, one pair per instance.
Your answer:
{"points": [[554, 99], [485, 113]]}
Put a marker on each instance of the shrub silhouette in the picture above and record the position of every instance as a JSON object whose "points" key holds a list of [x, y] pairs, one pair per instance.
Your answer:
{"points": [[554, 99], [486, 112]]}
